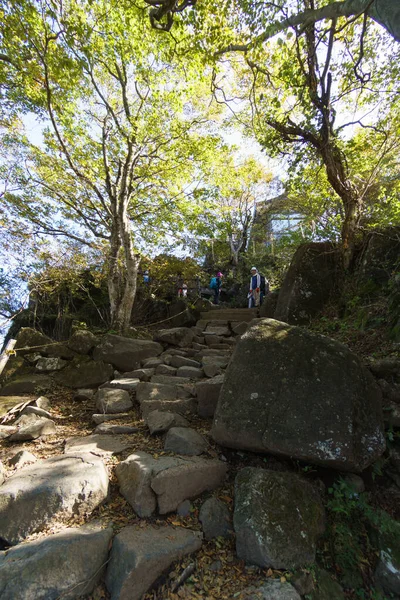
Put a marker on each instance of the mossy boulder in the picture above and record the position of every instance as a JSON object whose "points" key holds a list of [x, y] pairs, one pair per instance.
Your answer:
{"points": [[30, 340], [278, 518], [295, 393], [84, 373], [311, 281], [26, 384], [82, 341], [326, 588]]}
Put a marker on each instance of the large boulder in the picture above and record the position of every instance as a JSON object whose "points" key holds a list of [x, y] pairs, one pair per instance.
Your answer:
{"points": [[278, 518], [84, 373], [29, 340], [82, 341], [380, 256], [67, 565], [36, 494], [25, 384], [125, 354], [140, 556], [309, 283], [291, 392]]}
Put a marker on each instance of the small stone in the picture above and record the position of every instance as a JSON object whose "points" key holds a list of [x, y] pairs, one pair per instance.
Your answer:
{"points": [[215, 519], [190, 372], [97, 419], [35, 410], [34, 430], [160, 421], [123, 383], [84, 394], [183, 440], [113, 401], [166, 370], [22, 458], [43, 402], [115, 429], [184, 508]]}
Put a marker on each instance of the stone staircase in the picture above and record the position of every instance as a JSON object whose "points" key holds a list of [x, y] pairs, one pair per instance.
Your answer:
{"points": [[230, 314]]}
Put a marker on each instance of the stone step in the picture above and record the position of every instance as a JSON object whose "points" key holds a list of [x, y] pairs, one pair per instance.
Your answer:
{"points": [[230, 314]]}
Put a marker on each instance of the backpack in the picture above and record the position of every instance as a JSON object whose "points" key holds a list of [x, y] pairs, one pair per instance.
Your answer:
{"points": [[213, 283], [264, 285]]}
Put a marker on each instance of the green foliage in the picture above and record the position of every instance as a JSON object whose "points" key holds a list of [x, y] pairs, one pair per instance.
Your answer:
{"points": [[351, 536]]}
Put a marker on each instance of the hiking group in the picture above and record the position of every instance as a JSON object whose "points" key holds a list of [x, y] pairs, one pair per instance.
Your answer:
{"points": [[258, 289]]}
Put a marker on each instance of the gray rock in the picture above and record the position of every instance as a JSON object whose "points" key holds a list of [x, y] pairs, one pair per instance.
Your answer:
{"points": [[98, 419], [35, 410], [141, 374], [183, 440], [96, 444], [82, 341], [111, 401], [25, 384], [37, 428], [176, 336], [272, 589], [125, 353], [190, 373], [160, 421], [151, 363], [182, 406], [123, 383], [155, 391], [170, 379], [22, 458], [213, 340], [50, 364], [140, 556], [207, 393], [213, 365], [115, 429], [33, 357], [84, 394], [270, 509], [220, 330], [292, 392], [386, 368], [184, 509], [309, 283], [215, 519], [7, 430], [183, 361], [146, 482], [198, 343], [2, 473], [68, 565], [36, 494], [43, 402], [83, 372], [28, 337], [166, 370]]}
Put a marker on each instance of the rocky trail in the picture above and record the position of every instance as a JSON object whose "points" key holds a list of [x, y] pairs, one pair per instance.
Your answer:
{"points": [[115, 485]]}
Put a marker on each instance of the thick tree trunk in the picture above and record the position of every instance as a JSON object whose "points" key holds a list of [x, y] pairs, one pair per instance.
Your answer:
{"points": [[123, 271]]}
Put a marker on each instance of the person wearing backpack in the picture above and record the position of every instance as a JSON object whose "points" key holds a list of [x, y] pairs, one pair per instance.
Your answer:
{"points": [[215, 286], [259, 287]]}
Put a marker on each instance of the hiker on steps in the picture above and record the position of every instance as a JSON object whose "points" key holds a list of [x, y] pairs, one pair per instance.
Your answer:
{"points": [[215, 285], [258, 288]]}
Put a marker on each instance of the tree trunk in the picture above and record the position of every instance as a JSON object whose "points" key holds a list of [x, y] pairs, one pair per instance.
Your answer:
{"points": [[123, 271]]}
